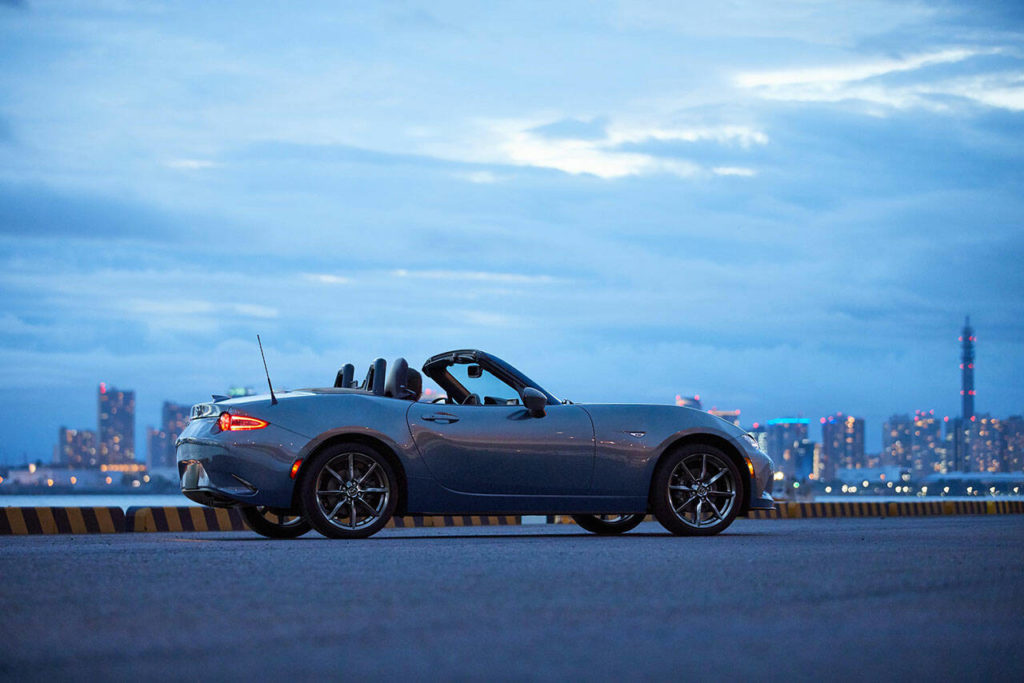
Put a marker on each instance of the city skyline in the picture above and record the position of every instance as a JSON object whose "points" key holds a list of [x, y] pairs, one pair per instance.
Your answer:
{"points": [[922, 444], [788, 208]]}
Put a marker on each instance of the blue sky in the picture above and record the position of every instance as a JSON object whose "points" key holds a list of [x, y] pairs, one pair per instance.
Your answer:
{"points": [[786, 207]]}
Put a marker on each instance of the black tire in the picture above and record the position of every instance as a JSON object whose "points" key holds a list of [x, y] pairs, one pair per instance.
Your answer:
{"points": [[697, 491], [274, 523], [348, 491], [601, 525]]}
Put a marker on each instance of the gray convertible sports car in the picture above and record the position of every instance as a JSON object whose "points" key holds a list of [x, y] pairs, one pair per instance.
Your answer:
{"points": [[344, 459]]}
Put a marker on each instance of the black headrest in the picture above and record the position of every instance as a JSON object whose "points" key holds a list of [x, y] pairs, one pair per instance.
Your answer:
{"points": [[398, 384], [414, 383], [344, 376]]}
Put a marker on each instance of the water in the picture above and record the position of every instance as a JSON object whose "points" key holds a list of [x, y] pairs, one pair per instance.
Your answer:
{"points": [[123, 501], [904, 499]]}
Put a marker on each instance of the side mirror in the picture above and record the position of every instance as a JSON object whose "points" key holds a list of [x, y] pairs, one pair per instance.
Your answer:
{"points": [[534, 401]]}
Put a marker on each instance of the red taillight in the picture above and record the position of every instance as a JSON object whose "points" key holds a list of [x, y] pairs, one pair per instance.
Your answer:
{"points": [[295, 467], [239, 423]]}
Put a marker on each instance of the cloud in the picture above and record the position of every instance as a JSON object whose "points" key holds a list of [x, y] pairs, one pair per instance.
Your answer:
{"points": [[873, 82], [830, 77], [603, 152], [327, 278], [191, 164], [479, 177], [734, 171], [476, 276], [573, 129]]}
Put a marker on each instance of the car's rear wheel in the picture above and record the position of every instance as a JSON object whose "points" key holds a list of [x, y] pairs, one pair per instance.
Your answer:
{"points": [[274, 523], [697, 491], [348, 491], [607, 525]]}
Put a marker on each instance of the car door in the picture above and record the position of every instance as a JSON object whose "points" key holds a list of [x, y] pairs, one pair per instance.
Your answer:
{"points": [[501, 449]]}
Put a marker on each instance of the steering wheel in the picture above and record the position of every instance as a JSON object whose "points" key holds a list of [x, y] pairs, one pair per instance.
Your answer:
{"points": [[440, 399]]}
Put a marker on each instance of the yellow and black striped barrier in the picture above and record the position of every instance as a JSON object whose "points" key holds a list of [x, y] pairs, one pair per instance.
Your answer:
{"points": [[61, 520], [453, 520], [108, 520], [917, 508], [185, 518]]}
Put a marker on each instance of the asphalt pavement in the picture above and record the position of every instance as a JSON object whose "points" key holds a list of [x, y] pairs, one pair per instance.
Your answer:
{"points": [[848, 599]]}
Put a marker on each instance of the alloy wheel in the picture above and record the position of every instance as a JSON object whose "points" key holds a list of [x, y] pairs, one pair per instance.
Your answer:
{"points": [[702, 490], [352, 491]]}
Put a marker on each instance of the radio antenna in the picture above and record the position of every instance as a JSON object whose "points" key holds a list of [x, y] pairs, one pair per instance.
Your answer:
{"points": [[273, 399]]}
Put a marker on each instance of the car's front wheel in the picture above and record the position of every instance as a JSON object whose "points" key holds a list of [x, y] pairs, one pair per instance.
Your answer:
{"points": [[607, 525], [697, 491], [274, 523], [348, 491]]}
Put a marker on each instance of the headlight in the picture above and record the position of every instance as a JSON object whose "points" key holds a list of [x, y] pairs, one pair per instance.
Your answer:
{"points": [[752, 441]]}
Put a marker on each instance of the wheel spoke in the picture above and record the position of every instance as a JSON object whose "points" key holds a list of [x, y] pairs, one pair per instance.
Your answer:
{"points": [[700, 504], [337, 507], [375, 490], [715, 478], [727, 494], [351, 466], [373, 510], [334, 474], [680, 488], [363, 478], [352, 510], [703, 467], [714, 509], [689, 500], [326, 491]]}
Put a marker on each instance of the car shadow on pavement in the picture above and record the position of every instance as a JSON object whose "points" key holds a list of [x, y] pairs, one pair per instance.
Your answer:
{"points": [[451, 536]]}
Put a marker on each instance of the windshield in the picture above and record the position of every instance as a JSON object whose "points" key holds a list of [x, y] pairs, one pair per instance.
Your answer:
{"points": [[490, 389]]}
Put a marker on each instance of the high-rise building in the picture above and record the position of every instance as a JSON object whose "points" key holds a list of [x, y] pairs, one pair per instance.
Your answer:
{"points": [[967, 340], [819, 464], [116, 426], [1013, 443], [160, 442], [76, 448], [927, 449], [984, 444], [784, 434], [803, 460], [897, 441], [842, 440], [963, 426]]}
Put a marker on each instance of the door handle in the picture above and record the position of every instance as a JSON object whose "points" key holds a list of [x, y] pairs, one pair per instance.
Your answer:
{"points": [[444, 418]]}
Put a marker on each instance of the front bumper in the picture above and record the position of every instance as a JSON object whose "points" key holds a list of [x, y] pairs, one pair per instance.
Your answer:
{"points": [[762, 502], [764, 477]]}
